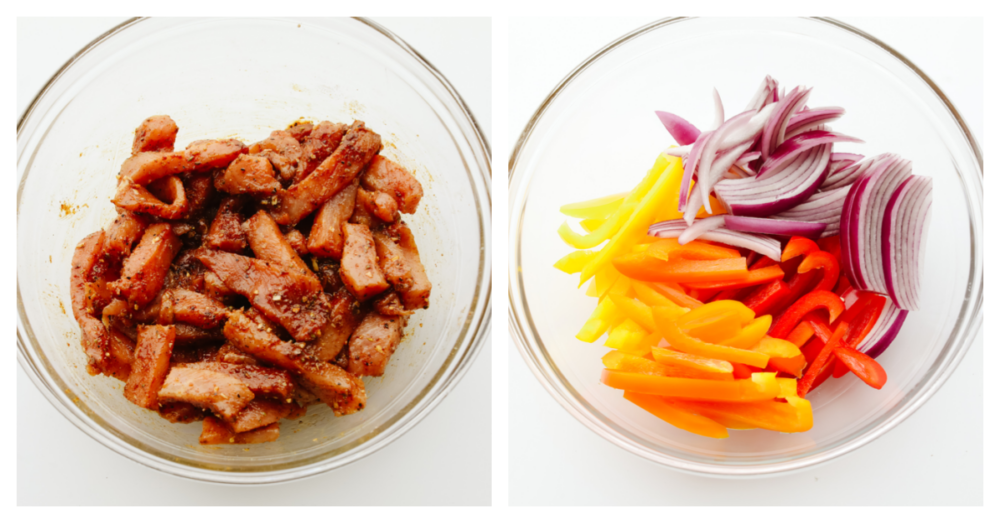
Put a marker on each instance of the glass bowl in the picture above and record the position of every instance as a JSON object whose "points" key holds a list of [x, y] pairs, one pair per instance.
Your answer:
{"points": [[243, 78], [596, 134]]}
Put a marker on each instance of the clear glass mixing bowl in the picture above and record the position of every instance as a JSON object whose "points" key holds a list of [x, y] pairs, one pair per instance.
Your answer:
{"points": [[242, 78], [596, 134]]}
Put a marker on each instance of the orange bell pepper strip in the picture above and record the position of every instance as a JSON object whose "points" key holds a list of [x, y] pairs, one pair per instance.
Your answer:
{"points": [[801, 334], [764, 299], [617, 360], [721, 328], [643, 267], [710, 312], [862, 365], [791, 366], [777, 348], [703, 295], [794, 415], [754, 277], [676, 294], [798, 246], [677, 339], [806, 304], [678, 417], [669, 249], [742, 372], [761, 386], [681, 359], [829, 264], [750, 334]]}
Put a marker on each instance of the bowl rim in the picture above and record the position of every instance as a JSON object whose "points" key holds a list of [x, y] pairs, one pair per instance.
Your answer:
{"points": [[475, 335], [532, 349]]}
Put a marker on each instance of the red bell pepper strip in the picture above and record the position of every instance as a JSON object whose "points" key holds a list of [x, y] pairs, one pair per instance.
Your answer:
{"points": [[818, 365], [798, 246], [763, 300], [829, 264], [763, 262], [831, 244], [839, 369], [843, 285], [798, 286], [733, 294], [806, 304], [850, 329], [862, 365], [812, 349]]}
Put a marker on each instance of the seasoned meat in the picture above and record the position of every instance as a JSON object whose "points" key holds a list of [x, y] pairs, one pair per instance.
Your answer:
{"points": [[322, 141], [379, 205], [189, 335], [373, 343], [226, 232], [284, 153], [249, 175], [362, 214], [263, 381], [293, 300], [199, 189], [146, 268], [181, 413], [357, 148], [270, 245], [345, 315], [199, 156], [216, 289], [342, 392], [150, 365], [298, 242], [400, 261], [193, 353], [326, 238], [300, 130], [164, 198], [94, 337], [184, 306], [122, 234], [221, 393], [229, 354], [156, 133], [359, 269], [187, 272], [259, 413], [386, 176], [215, 432], [388, 304], [328, 272], [120, 353]]}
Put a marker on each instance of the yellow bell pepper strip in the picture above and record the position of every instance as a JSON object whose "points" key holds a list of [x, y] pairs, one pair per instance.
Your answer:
{"points": [[609, 278], [573, 262], [806, 304], [601, 234], [720, 328], [777, 348], [598, 208], [709, 312], [637, 312], [667, 249], [829, 264], [643, 267], [684, 343], [592, 224], [798, 246], [617, 360], [592, 290], [663, 172], [653, 298], [604, 315], [752, 278], [676, 294], [762, 386], [666, 411], [751, 334], [626, 333], [672, 357], [644, 346]]}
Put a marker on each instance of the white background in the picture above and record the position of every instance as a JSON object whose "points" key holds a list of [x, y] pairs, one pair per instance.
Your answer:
{"points": [[444, 460], [933, 458]]}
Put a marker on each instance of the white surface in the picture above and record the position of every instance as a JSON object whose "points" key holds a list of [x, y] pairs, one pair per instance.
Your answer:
{"points": [[445, 460], [933, 458]]}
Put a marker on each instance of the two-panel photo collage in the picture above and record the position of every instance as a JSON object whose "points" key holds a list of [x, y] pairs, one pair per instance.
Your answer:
{"points": [[499, 263]]}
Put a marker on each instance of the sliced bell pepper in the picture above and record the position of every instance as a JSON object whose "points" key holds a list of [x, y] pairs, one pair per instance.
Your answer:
{"points": [[708, 313], [750, 334], [625, 334], [600, 321], [852, 327], [791, 366], [862, 365], [660, 179], [843, 285], [678, 417], [761, 386], [597, 208], [599, 235], [735, 294], [763, 300], [798, 246], [676, 294], [592, 224], [839, 369], [672, 357], [592, 290], [812, 301], [668, 249], [742, 372], [793, 415], [801, 334], [680, 341], [777, 348], [720, 328], [716, 206], [645, 293], [829, 264], [573, 262], [818, 365], [643, 267], [754, 277], [831, 244], [703, 295], [798, 286], [762, 262], [618, 360], [643, 347], [636, 311]]}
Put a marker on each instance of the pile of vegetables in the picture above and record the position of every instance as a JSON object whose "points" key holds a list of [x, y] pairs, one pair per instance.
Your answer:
{"points": [[750, 265]]}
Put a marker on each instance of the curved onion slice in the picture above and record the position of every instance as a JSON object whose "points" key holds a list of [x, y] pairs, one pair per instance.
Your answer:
{"points": [[774, 131], [767, 246], [682, 130], [885, 330], [765, 94], [781, 191], [693, 156], [811, 119], [821, 207], [700, 227], [792, 147], [720, 112], [773, 227], [904, 229]]}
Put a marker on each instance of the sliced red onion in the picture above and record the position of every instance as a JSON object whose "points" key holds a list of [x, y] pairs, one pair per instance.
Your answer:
{"points": [[720, 112], [764, 95], [693, 156], [767, 246], [693, 205], [792, 147], [680, 129], [719, 168], [822, 207], [904, 240], [700, 227], [885, 330], [706, 177], [781, 191], [773, 227], [748, 157], [847, 176], [812, 119], [846, 157], [774, 130], [680, 151]]}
